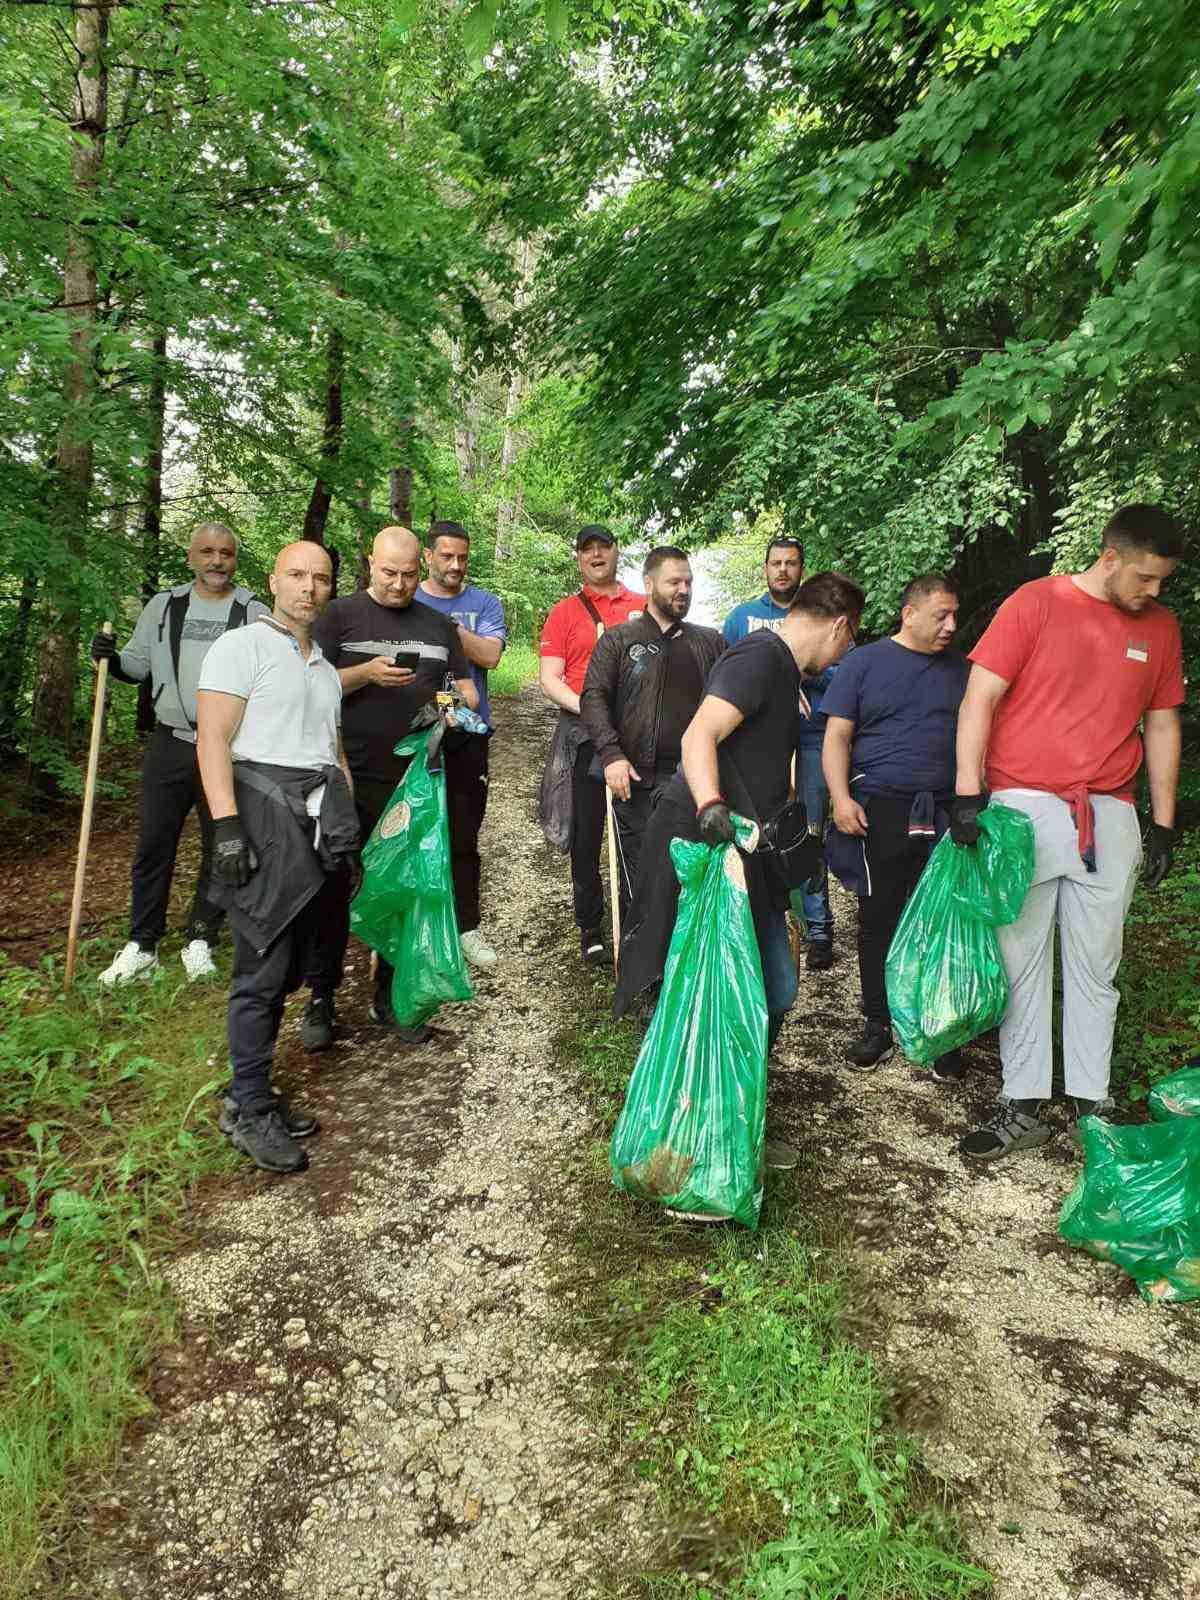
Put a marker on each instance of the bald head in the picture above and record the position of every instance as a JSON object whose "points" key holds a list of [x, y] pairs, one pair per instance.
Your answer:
{"points": [[395, 563], [212, 556], [302, 582]]}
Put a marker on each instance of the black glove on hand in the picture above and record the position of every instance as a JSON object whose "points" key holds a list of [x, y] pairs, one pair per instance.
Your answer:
{"points": [[964, 818], [104, 646], [1159, 844], [232, 860], [716, 825]]}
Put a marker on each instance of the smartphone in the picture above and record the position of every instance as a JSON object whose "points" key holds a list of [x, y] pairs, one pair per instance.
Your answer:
{"points": [[408, 658]]}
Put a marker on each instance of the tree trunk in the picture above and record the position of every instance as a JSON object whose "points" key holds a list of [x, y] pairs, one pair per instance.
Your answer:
{"points": [[466, 432], [317, 515], [152, 499], [59, 649], [400, 481]]}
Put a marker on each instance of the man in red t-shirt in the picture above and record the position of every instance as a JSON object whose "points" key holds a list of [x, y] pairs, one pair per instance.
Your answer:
{"points": [[1061, 679], [568, 639]]}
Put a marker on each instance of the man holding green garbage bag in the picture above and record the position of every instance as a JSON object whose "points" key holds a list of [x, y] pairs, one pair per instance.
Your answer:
{"points": [[891, 714], [1060, 681]]}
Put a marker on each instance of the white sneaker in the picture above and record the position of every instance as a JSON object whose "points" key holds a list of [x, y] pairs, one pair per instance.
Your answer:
{"points": [[133, 962], [197, 960], [477, 950]]}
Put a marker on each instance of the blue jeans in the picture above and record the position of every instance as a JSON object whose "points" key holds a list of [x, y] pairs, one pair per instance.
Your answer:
{"points": [[811, 784], [779, 973]]}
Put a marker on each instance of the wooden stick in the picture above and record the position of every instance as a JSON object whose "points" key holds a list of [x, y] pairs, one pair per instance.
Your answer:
{"points": [[613, 877], [85, 822]]}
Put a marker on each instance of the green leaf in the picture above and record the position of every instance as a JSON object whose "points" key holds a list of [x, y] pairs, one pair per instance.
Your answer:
{"points": [[557, 16], [479, 29]]}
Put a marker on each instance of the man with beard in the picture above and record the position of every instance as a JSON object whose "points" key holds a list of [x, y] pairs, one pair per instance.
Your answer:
{"points": [[1062, 678], [171, 639], [736, 754], [571, 793], [891, 716], [784, 572], [643, 685], [479, 618], [392, 655]]}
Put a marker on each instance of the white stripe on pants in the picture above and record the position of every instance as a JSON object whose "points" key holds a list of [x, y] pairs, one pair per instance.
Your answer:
{"points": [[1090, 909]]}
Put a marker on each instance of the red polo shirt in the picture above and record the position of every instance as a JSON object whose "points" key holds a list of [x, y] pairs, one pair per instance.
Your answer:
{"points": [[570, 633]]}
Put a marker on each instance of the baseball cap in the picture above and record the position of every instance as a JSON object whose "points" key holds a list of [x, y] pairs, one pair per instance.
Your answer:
{"points": [[587, 534]]}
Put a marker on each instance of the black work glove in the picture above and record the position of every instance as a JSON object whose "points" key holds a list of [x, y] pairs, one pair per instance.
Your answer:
{"points": [[964, 818], [232, 861], [716, 825], [104, 646], [1159, 844]]}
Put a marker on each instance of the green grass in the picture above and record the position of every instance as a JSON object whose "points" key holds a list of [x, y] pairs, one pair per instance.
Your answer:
{"points": [[517, 670], [1158, 1024], [736, 1391], [102, 1107]]}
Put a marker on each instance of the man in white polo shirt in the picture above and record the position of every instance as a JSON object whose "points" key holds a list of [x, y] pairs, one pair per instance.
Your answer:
{"points": [[284, 831]]}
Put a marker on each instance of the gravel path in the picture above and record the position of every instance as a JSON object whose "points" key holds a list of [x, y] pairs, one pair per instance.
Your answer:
{"points": [[368, 1400], [1060, 1410]]}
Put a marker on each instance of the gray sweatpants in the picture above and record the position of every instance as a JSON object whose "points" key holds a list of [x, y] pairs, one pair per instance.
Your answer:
{"points": [[1090, 909]]}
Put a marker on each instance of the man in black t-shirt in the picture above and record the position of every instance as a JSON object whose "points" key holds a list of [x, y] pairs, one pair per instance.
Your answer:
{"points": [[737, 754], [643, 684], [362, 635]]}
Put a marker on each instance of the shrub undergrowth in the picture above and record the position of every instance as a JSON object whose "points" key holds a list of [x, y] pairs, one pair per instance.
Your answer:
{"points": [[735, 1393], [518, 668], [100, 1106]]}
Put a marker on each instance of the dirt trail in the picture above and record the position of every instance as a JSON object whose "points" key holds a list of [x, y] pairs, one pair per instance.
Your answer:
{"points": [[369, 1401], [1060, 1410]]}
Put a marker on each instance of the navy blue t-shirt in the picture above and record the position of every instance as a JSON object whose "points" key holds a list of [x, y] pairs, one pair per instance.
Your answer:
{"points": [[904, 707]]}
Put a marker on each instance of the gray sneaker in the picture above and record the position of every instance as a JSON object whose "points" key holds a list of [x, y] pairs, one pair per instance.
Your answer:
{"points": [[263, 1136], [299, 1124], [1088, 1108], [1015, 1125]]}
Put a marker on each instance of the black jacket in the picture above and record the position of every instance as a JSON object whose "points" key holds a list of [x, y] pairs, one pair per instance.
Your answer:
{"points": [[621, 703], [271, 808]]}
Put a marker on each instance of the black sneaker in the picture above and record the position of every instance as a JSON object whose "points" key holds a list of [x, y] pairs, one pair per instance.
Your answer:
{"points": [[316, 1026], [591, 947], [873, 1049], [300, 1124], [264, 1137], [380, 1013], [1015, 1125], [950, 1068], [1088, 1108], [819, 957]]}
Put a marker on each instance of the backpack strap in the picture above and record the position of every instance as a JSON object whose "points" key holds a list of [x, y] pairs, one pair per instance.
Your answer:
{"points": [[589, 605]]}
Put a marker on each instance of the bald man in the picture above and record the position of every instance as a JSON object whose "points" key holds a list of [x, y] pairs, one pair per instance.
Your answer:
{"points": [[173, 635], [365, 635], [284, 832]]}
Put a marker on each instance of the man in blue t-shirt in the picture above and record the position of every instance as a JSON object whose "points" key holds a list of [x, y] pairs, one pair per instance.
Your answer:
{"points": [[784, 573], [891, 721], [479, 617]]}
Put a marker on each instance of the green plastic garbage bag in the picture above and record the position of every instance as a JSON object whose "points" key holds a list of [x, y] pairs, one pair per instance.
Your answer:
{"points": [[690, 1134], [1137, 1203], [1178, 1095], [945, 980], [405, 908]]}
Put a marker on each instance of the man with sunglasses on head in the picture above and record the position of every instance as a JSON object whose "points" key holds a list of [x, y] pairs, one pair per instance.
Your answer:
{"points": [[784, 572]]}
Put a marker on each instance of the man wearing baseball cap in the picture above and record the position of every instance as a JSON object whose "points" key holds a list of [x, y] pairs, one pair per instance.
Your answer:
{"points": [[568, 639]]}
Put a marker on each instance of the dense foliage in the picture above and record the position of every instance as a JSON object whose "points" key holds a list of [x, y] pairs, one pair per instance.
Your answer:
{"points": [[916, 282]]}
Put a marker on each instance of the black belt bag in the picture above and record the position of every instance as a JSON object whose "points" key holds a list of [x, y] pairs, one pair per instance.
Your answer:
{"points": [[793, 854]]}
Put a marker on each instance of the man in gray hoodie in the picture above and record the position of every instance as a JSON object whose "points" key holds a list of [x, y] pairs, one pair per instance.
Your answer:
{"points": [[170, 641]]}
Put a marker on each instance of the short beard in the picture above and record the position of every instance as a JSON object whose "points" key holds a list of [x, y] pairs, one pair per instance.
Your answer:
{"points": [[784, 597], [1113, 598]]}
